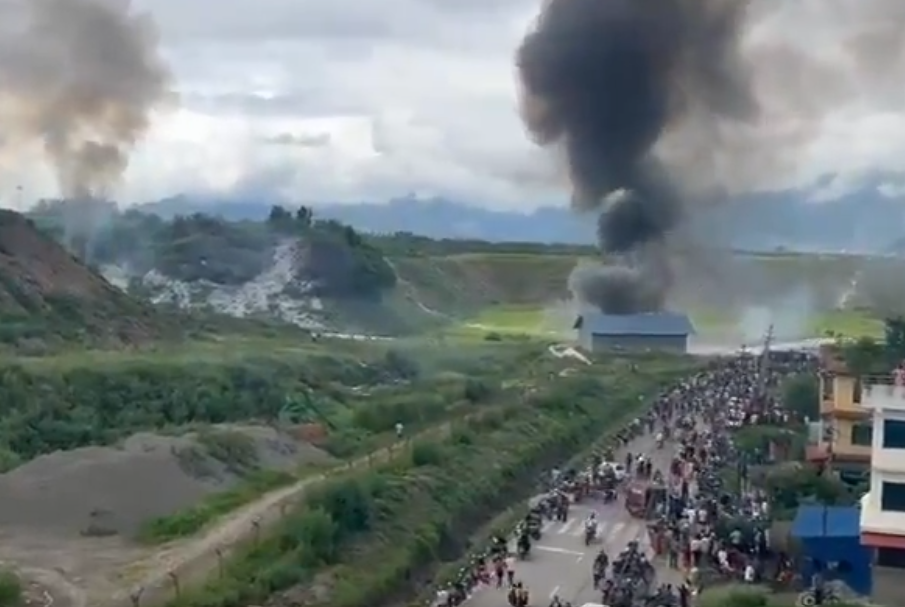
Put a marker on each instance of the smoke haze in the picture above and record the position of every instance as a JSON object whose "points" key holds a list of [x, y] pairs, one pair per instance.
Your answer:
{"points": [[80, 78], [679, 103]]}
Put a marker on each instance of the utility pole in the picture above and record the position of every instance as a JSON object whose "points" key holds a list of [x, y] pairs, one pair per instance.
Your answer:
{"points": [[764, 367]]}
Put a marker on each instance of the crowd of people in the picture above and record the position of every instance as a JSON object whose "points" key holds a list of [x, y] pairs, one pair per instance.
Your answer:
{"points": [[698, 525]]}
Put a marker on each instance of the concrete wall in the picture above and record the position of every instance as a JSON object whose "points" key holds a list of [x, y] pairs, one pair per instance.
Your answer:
{"points": [[843, 445], [840, 393], [602, 343], [873, 518], [885, 459]]}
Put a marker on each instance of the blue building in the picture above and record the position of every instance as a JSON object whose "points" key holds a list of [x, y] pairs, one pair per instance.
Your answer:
{"points": [[663, 331], [830, 537]]}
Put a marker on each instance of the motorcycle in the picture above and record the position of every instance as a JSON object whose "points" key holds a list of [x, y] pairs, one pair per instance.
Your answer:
{"points": [[523, 547], [590, 532]]}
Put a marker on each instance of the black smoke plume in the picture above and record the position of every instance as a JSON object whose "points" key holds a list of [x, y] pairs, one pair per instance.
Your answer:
{"points": [[605, 79], [727, 95]]}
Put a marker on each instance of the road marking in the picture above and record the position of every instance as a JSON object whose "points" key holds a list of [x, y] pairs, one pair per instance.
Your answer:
{"points": [[567, 525], [559, 550], [554, 592]]}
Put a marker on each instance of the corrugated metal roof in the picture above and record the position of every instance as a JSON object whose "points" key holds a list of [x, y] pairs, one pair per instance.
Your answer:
{"points": [[826, 521], [657, 323]]}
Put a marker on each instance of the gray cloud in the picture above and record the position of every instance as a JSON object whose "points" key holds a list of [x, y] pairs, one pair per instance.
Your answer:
{"points": [[320, 140], [434, 77], [339, 22], [319, 103]]}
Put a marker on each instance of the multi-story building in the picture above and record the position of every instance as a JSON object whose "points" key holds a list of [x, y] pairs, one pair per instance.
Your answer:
{"points": [[844, 432], [883, 508]]}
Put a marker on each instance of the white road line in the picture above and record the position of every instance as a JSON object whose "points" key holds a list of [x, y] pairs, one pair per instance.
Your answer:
{"points": [[554, 592], [559, 550], [547, 526], [566, 526]]}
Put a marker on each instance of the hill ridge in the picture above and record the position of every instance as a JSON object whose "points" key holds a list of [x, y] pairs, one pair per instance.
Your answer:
{"points": [[48, 295]]}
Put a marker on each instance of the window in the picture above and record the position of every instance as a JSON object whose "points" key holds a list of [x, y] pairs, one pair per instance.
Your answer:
{"points": [[862, 434], [894, 434], [891, 557], [892, 497], [856, 394], [826, 387]]}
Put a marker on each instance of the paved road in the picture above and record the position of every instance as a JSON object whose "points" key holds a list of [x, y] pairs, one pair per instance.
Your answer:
{"points": [[560, 564]]}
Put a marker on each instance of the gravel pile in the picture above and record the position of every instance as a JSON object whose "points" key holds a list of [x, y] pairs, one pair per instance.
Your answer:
{"points": [[113, 490]]}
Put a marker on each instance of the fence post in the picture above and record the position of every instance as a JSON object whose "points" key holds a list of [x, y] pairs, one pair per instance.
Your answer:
{"points": [[177, 590], [256, 523], [135, 596], [220, 562]]}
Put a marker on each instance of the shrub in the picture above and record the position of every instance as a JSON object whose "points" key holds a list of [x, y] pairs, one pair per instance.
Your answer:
{"points": [[11, 591]]}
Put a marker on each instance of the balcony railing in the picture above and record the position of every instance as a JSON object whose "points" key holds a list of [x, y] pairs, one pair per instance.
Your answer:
{"points": [[885, 379], [878, 394]]}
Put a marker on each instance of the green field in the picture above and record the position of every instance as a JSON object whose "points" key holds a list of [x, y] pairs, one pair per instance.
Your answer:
{"points": [[555, 323]]}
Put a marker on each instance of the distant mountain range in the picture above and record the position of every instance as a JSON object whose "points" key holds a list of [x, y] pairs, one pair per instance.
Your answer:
{"points": [[869, 219]]}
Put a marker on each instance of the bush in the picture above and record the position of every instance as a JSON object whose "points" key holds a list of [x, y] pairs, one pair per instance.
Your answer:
{"points": [[801, 395], [317, 532], [50, 409], [734, 596], [10, 589], [426, 454]]}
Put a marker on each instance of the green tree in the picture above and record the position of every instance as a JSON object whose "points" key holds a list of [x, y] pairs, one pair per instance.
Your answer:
{"points": [[865, 356], [894, 330], [801, 395], [280, 219], [304, 217]]}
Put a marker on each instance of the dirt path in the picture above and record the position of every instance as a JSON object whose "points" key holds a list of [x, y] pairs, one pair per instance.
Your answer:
{"points": [[45, 588], [413, 293], [191, 561]]}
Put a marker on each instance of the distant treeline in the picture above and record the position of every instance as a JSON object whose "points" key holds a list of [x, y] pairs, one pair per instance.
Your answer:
{"points": [[406, 244]]}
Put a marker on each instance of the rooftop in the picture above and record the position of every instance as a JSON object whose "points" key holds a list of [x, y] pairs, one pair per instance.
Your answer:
{"points": [[831, 360], [654, 323], [826, 521]]}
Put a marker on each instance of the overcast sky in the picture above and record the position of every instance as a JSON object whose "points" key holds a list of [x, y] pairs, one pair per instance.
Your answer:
{"points": [[348, 100]]}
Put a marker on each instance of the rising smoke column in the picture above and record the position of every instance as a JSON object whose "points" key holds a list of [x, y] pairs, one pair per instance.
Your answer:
{"points": [[605, 79], [727, 95], [80, 78]]}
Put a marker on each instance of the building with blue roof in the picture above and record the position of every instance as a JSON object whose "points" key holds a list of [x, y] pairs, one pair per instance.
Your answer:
{"points": [[830, 538], [662, 331]]}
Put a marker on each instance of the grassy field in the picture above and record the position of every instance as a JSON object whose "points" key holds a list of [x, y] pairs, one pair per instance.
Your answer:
{"points": [[477, 286], [553, 323]]}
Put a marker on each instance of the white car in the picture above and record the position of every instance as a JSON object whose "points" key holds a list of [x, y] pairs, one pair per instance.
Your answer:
{"points": [[618, 469]]}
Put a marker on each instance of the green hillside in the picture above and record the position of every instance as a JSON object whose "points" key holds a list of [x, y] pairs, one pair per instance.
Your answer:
{"points": [[525, 292], [402, 284]]}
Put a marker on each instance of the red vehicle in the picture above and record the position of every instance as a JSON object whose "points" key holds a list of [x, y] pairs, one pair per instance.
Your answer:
{"points": [[643, 497]]}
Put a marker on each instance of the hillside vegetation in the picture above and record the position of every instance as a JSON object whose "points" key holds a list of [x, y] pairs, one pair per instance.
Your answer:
{"points": [[375, 535], [332, 257], [212, 428], [353, 390], [48, 297], [322, 274]]}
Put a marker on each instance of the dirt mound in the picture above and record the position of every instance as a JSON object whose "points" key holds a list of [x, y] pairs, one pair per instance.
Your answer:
{"points": [[113, 490], [47, 294]]}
